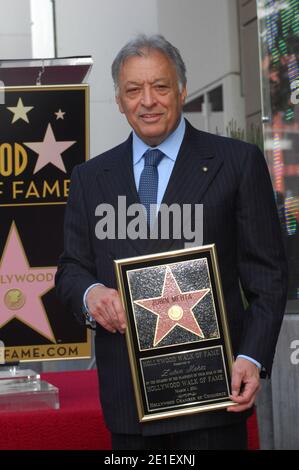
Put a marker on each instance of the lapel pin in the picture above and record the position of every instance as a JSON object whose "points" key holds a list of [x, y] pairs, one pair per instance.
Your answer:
{"points": [[205, 169]]}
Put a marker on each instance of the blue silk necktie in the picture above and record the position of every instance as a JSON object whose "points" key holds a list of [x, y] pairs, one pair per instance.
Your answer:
{"points": [[148, 184]]}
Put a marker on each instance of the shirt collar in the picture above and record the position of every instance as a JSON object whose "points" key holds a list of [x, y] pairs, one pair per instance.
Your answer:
{"points": [[170, 146]]}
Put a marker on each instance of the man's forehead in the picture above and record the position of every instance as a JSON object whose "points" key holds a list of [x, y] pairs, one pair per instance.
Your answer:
{"points": [[149, 55], [156, 65], [140, 81]]}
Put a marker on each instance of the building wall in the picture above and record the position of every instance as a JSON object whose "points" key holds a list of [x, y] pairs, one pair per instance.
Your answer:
{"points": [[207, 34], [250, 61], [100, 28], [15, 29]]}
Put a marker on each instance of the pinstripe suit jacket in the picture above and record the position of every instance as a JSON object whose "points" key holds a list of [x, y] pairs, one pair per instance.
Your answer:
{"points": [[239, 217]]}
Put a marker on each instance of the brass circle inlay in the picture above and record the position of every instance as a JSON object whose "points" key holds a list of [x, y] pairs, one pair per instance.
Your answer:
{"points": [[175, 312], [14, 299]]}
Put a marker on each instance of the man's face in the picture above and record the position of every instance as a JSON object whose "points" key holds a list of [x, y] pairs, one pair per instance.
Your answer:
{"points": [[149, 96]]}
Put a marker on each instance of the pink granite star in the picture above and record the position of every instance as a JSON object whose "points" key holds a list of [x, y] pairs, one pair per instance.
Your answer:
{"points": [[173, 308], [21, 287]]}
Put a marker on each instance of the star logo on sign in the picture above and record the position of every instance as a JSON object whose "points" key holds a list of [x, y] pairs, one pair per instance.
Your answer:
{"points": [[174, 308], [60, 114], [20, 111], [22, 287], [49, 150]]}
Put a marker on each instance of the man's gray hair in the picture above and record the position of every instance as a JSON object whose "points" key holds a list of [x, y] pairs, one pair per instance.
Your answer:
{"points": [[137, 47]]}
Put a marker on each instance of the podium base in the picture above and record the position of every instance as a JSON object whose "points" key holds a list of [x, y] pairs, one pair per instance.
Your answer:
{"points": [[23, 390]]}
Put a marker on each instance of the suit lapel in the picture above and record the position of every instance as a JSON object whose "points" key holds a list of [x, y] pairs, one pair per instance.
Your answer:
{"points": [[194, 171], [117, 179]]}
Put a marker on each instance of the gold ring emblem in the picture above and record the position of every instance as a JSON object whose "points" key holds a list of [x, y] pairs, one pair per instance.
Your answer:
{"points": [[14, 299]]}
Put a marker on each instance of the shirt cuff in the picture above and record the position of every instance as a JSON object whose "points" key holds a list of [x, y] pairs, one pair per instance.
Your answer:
{"points": [[89, 320], [251, 360], [85, 295]]}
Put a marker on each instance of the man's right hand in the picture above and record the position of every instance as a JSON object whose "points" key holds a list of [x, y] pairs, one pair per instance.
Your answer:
{"points": [[105, 306]]}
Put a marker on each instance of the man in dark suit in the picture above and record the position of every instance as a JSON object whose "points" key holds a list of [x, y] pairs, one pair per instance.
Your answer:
{"points": [[231, 180]]}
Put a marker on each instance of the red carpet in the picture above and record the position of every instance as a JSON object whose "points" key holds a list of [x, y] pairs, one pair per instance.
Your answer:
{"points": [[253, 433], [77, 425]]}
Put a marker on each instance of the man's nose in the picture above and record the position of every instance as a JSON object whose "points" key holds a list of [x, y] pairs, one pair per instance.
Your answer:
{"points": [[148, 97]]}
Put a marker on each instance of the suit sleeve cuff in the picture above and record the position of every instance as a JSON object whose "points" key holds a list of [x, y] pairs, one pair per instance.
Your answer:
{"points": [[251, 360]]}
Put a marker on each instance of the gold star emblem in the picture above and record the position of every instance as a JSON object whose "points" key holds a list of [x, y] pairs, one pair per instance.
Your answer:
{"points": [[20, 111]]}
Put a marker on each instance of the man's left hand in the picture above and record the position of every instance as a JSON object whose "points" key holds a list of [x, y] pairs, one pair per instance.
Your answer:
{"points": [[245, 384]]}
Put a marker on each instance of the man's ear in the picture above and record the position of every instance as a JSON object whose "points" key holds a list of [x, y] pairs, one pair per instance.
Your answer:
{"points": [[183, 95], [119, 103]]}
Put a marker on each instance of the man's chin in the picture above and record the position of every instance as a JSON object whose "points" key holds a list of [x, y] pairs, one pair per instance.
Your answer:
{"points": [[152, 136]]}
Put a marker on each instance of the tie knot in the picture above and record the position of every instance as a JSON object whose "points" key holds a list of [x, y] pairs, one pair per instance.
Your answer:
{"points": [[153, 157]]}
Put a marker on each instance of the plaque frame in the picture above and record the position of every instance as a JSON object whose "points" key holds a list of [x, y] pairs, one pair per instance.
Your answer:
{"points": [[214, 348]]}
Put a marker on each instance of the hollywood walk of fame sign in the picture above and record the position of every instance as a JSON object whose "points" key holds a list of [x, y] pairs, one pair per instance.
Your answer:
{"points": [[177, 335], [44, 134]]}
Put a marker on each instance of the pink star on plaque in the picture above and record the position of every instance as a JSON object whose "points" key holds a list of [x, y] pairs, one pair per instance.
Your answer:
{"points": [[173, 308], [21, 288], [49, 150]]}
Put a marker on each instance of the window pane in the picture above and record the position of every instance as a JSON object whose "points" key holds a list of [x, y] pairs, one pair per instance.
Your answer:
{"points": [[279, 51]]}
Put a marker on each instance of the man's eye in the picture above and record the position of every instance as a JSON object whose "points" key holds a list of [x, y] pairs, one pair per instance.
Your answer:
{"points": [[161, 87], [132, 90]]}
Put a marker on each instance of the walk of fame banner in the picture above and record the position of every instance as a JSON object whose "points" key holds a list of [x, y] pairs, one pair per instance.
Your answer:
{"points": [[178, 339], [44, 134]]}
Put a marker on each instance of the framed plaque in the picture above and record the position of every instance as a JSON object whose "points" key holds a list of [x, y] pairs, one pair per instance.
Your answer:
{"points": [[177, 332]]}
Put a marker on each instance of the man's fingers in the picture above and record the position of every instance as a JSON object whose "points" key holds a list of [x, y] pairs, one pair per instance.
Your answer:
{"points": [[115, 311], [242, 407], [110, 315], [245, 400], [239, 408], [116, 317], [120, 313], [245, 384], [246, 394], [104, 320], [236, 382], [106, 308]]}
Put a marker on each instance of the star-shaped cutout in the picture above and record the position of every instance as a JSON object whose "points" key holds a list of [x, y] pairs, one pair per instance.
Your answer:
{"points": [[20, 111], [173, 308], [49, 150], [60, 114], [20, 294]]}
